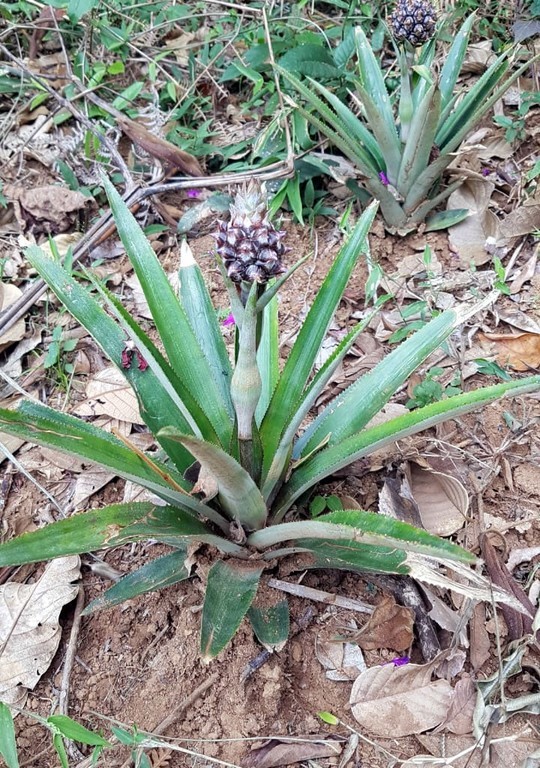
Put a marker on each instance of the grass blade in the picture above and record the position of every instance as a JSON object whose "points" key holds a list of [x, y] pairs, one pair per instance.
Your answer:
{"points": [[8, 745], [229, 594]]}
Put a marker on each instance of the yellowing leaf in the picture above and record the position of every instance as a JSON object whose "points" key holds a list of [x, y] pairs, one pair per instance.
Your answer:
{"points": [[29, 629]]}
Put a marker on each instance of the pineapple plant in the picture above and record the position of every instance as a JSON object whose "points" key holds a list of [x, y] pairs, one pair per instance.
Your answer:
{"points": [[401, 142], [234, 467]]}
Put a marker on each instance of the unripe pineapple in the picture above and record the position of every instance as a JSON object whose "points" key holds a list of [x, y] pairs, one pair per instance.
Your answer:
{"points": [[249, 245], [413, 21]]}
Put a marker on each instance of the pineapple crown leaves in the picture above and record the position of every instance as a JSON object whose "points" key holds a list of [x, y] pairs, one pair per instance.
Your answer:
{"points": [[244, 416], [402, 142]]}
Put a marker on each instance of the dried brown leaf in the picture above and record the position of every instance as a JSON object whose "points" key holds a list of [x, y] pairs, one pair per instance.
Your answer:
{"points": [[278, 752], [49, 209], [459, 719], [400, 701], [468, 238], [170, 155], [519, 351], [342, 660], [389, 626], [108, 394], [442, 500], [29, 629], [9, 294]]}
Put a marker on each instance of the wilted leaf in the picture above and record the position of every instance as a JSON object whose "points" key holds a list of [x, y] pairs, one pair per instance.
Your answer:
{"points": [[278, 752], [398, 701], [442, 500], [9, 294], [342, 661], [519, 351], [108, 394], [29, 629], [469, 237], [389, 626]]}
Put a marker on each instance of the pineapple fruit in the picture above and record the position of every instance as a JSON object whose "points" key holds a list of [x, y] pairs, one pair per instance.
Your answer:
{"points": [[413, 21], [249, 245]]}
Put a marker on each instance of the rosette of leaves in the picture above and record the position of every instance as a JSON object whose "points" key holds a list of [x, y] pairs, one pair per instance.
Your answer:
{"points": [[233, 469], [402, 142]]}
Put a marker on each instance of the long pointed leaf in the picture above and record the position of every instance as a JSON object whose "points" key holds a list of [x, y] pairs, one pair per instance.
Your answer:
{"points": [[271, 624], [175, 388], [308, 398], [341, 454], [419, 142], [160, 573], [110, 527], [174, 328], [268, 356], [365, 528], [300, 362], [351, 410], [478, 96], [203, 318], [238, 494], [157, 408], [45, 426], [376, 101], [454, 61], [357, 131], [229, 594]]}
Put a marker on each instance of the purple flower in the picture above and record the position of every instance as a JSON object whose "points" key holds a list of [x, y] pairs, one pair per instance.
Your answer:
{"points": [[193, 193], [384, 178], [486, 171], [229, 320], [400, 661]]}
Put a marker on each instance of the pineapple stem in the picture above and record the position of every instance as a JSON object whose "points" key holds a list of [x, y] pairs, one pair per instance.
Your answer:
{"points": [[246, 384]]}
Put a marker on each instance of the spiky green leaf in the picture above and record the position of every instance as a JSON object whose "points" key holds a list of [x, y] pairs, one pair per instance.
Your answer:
{"points": [[271, 624], [230, 591], [158, 574]]}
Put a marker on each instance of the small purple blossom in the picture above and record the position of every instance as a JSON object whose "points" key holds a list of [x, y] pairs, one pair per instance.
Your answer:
{"points": [[486, 172], [229, 320], [384, 178], [400, 661], [193, 193]]}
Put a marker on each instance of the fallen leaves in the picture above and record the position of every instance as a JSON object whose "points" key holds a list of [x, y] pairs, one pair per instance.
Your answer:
{"points": [[276, 752], [443, 501], [48, 209], [389, 626], [400, 701], [29, 628], [518, 351], [9, 294]]}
